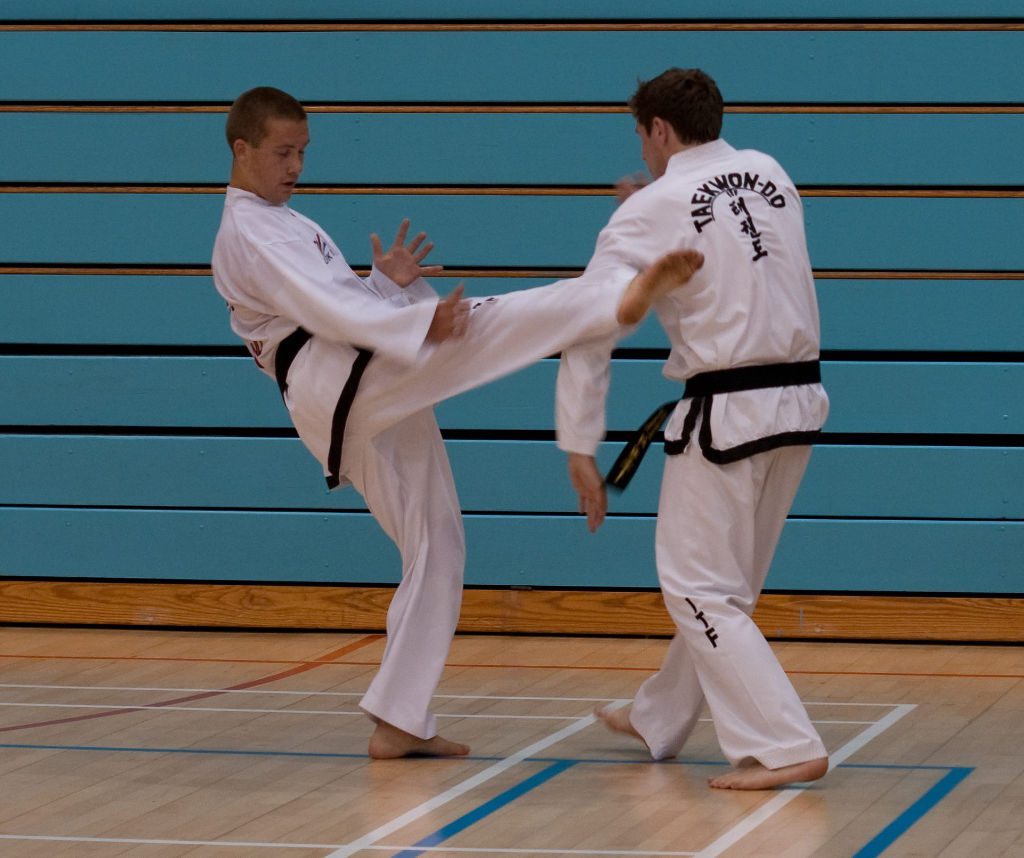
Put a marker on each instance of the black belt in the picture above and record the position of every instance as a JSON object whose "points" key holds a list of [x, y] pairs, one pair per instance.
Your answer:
{"points": [[700, 388], [287, 349]]}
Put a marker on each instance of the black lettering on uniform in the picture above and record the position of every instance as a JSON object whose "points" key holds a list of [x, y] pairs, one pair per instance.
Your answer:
{"points": [[777, 202], [700, 224], [768, 189], [712, 636], [750, 182], [701, 198], [736, 180], [721, 182]]}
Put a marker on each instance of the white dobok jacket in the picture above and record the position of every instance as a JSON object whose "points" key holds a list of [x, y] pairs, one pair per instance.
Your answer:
{"points": [[279, 270], [752, 304]]}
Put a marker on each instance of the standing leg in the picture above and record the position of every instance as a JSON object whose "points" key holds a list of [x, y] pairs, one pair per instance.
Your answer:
{"points": [[404, 475], [710, 576], [666, 707]]}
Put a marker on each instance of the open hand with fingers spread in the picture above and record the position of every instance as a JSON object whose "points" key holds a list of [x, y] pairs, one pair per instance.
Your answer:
{"points": [[401, 261], [451, 317]]}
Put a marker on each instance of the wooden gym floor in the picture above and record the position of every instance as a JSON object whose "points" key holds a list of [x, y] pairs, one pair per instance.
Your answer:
{"points": [[158, 743]]}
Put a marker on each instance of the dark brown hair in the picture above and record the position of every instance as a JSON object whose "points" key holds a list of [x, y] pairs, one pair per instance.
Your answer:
{"points": [[687, 99], [247, 119]]}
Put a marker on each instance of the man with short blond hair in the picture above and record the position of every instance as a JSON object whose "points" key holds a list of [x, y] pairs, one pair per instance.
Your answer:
{"points": [[360, 363]]}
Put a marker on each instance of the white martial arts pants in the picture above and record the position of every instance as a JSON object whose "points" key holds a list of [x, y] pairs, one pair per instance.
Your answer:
{"points": [[394, 456], [718, 526], [404, 476]]}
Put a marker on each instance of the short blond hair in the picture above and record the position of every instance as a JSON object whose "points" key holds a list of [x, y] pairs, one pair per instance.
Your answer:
{"points": [[247, 119]]}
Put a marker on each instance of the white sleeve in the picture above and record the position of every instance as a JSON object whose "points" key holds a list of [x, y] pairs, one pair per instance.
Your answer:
{"points": [[624, 247], [312, 298], [399, 296]]}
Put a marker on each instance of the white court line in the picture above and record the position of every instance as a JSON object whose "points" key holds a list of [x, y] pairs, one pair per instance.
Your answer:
{"points": [[158, 707], [379, 848], [154, 842], [296, 693], [368, 842], [484, 850], [774, 805], [492, 771], [302, 693]]}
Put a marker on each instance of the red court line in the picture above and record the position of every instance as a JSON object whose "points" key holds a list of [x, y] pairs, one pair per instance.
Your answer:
{"points": [[301, 667]]}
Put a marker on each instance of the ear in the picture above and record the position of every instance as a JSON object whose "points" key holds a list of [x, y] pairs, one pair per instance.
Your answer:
{"points": [[239, 148], [660, 129]]}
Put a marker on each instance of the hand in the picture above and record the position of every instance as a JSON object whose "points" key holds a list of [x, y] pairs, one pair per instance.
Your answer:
{"points": [[402, 262], [589, 485], [451, 317], [629, 185]]}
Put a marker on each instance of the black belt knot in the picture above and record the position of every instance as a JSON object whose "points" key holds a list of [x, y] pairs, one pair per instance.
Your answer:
{"points": [[700, 388]]}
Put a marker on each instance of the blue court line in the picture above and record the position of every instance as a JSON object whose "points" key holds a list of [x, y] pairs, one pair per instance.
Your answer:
{"points": [[899, 826], [875, 847], [487, 808]]}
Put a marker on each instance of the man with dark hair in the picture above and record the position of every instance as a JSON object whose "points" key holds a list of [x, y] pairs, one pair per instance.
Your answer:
{"points": [[745, 340], [360, 363]]}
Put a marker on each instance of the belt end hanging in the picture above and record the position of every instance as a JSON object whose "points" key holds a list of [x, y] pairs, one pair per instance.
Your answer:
{"points": [[621, 472]]}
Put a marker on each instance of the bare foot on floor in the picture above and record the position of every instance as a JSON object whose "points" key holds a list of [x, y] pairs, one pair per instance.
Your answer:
{"points": [[758, 777], [389, 743], [666, 273], [617, 720]]}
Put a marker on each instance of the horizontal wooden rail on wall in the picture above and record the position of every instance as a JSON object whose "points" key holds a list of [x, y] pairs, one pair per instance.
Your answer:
{"points": [[554, 273], [512, 107], [497, 190], [978, 619], [434, 26]]}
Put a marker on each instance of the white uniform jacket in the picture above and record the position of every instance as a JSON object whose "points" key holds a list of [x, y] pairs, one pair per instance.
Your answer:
{"points": [[752, 304], [278, 270]]}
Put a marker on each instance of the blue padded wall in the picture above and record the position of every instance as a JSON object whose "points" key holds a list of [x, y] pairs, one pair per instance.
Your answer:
{"points": [[136, 440]]}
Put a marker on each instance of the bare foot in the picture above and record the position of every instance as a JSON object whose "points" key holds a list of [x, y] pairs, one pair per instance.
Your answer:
{"points": [[666, 273], [389, 743], [758, 777], [617, 720]]}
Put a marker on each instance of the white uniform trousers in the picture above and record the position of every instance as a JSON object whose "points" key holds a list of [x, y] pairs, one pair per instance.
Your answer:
{"points": [[394, 456], [404, 476], [718, 526]]}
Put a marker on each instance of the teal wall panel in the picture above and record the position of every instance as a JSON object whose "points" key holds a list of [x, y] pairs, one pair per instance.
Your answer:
{"points": [[295, 547], [866, 314], [843, 232], [491, 475], [399, 10], [111, 309], [511, 148], [79, 498], [878, 396], [769, 66]]}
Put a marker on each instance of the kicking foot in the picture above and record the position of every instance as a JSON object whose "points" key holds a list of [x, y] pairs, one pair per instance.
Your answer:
{"points": [[666, 273], [758, 777], [617, 720], [389, 743]]}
